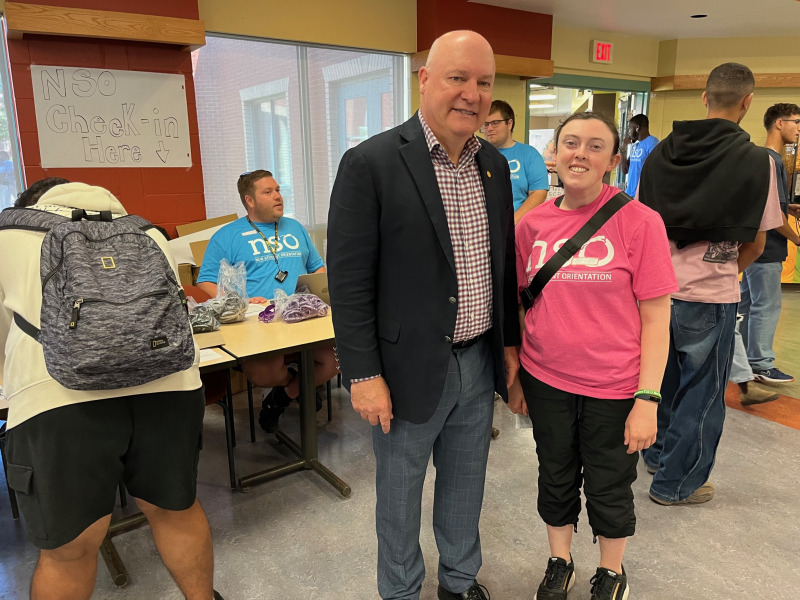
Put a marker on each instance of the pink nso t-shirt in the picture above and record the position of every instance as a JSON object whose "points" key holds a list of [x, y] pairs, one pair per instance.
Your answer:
{"points": [[582, 334]]}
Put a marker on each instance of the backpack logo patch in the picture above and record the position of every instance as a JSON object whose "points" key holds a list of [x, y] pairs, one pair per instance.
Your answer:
{"points": [[159, 342]]}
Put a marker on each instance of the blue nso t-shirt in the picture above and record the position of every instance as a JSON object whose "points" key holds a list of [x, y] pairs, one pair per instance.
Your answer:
{"points": [[639, 151], [528, 171], [238, 241]]}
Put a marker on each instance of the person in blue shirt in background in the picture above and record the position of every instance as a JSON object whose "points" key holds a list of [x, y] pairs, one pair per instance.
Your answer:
{"points": [[276, 250], [528, 172], [7, 183], [641, 144]]}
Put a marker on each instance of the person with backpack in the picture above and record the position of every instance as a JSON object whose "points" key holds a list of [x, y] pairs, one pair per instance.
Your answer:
{"points": [[594, 346], [106, 392]]}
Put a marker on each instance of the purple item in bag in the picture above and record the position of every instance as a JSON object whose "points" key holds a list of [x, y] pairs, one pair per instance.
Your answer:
{"points": [[303, 306]]}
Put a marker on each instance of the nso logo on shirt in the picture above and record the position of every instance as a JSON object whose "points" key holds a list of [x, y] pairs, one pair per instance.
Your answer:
{"points": [[600, 252]]}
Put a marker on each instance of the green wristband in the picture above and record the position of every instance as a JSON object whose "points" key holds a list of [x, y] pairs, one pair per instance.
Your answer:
{"points": [[649, 393]]}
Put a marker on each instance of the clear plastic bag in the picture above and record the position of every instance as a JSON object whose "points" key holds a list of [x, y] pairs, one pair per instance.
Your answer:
{"points": [[522, 422], [203, 318], [232, 301], [298, 307]]}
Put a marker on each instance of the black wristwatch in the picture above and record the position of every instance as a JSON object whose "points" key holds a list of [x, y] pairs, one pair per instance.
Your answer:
{"points": [[648, 397]]}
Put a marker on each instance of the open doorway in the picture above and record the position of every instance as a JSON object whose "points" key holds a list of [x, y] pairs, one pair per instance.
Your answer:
{"points": [[549, 104]]}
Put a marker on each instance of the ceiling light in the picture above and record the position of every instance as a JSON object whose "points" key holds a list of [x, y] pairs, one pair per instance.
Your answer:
{"points": [[540, 106], [543, 97]]}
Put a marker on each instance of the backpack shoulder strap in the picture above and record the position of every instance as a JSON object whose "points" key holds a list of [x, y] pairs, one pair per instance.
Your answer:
{"points": [[571, 246], [26, 327]]}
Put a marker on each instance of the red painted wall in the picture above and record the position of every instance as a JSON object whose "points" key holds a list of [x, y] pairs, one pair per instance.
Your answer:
{"points": [[165, 196], [510, 32]]}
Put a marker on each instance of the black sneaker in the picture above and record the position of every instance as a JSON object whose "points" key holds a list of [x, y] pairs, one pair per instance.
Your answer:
{"points": [[608, 585], [558, 580], [272, 408], [475, 592], [320, 396]]}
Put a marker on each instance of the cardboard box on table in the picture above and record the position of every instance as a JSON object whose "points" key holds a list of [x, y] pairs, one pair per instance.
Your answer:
{"points": [[197, 234]]}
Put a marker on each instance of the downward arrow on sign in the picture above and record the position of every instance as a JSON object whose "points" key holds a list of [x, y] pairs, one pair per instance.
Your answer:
{"points": [[162, 153]]}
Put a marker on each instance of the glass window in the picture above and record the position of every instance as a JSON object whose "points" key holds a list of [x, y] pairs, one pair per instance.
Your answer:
{"points": [[10, 164], [293, 110], [268, 138]]}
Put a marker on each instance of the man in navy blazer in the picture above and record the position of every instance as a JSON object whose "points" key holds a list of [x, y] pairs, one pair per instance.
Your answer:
{"points": [[422, 281]]}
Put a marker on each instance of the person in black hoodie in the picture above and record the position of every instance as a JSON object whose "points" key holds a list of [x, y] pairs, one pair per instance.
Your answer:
{"points": [[717, 194]]}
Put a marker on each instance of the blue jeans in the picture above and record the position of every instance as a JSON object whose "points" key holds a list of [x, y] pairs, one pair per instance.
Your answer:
{"points": [[740, 368], [761, 307], [692, 412]]}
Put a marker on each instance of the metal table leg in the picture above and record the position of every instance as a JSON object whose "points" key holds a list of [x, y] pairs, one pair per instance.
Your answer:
{"points": [[116, 568], [307, 450]]}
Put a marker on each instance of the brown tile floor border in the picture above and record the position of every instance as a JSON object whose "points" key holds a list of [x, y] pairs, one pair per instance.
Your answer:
{"points": [[785, 410]]}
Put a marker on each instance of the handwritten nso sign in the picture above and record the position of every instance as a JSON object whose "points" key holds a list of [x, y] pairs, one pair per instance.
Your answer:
{"points": [[109, 118]]}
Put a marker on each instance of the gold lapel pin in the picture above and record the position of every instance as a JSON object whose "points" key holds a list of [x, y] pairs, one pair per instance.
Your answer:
{"points": [[488, 173]]}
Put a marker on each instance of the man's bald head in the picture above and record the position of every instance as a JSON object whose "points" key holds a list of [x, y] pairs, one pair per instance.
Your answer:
{"points": [[451, 41], [455, 87]]}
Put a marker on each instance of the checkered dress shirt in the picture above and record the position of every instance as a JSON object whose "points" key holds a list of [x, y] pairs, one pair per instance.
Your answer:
{"points": [[465, 207]]}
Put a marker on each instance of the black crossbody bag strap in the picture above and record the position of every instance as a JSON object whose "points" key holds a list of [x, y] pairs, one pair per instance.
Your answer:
{"points": [[572, 245]]}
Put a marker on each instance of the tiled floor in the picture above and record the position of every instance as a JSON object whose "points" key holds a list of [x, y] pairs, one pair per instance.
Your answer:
{"points": [[297, 539]]}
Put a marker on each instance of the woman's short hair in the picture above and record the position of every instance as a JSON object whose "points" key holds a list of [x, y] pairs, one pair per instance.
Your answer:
{"points": [[592, 115]]}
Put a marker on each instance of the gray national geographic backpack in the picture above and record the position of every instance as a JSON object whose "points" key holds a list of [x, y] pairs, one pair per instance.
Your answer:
{"points": [[113, 315]]}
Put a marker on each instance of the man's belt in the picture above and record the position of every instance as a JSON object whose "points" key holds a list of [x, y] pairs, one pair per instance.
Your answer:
{"points": [[467, 343]]}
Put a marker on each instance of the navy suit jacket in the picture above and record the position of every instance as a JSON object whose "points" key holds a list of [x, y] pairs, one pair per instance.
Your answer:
{"points": [[391, 268]]}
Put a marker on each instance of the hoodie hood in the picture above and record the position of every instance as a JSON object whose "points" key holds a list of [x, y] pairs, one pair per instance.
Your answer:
{"points": [[708, 182], [79, 195]]}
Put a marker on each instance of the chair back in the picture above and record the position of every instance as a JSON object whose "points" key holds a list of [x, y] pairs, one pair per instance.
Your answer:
{"points": [[199, 294]]}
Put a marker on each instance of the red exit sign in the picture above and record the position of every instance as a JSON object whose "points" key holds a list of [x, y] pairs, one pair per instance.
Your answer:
{"points": [[602, 52]]}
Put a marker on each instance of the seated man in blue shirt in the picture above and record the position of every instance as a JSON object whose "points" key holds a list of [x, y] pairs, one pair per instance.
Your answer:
{"points": [[276, 250]]}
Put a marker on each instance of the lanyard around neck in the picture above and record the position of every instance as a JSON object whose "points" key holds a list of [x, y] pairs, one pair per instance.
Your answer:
{"points": [[272, 248]]}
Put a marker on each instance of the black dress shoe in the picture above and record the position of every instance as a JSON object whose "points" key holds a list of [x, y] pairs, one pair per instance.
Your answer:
{"points": [[475, 592]]}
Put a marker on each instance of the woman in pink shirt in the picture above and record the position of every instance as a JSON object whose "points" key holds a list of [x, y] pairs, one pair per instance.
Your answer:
{"points": [[593, 353]]}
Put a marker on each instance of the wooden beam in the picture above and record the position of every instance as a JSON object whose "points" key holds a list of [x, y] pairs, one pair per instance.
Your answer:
{"points": [[418, 60], [777, 80], [524, 68], [698, 82], [104, 24], [678, 82]]}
